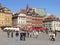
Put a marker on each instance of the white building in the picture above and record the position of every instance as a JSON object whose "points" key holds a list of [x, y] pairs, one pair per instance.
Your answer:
{"points": [[22, 20], [19, 20], [52, 24]]}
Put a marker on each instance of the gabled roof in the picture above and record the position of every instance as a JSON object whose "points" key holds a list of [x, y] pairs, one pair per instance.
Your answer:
{"points": [[23, 11], [51, 18], [5, 9]]}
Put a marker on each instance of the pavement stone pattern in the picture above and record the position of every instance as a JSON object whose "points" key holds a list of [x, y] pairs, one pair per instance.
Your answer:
{"points": [[43, 39]]}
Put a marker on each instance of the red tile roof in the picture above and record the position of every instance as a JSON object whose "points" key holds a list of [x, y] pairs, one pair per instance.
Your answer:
{"points": [[23, 11], [52, 16]]}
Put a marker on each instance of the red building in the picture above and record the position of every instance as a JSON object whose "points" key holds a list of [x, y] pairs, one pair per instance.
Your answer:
{"points": [[37, 21], [32, 18]]}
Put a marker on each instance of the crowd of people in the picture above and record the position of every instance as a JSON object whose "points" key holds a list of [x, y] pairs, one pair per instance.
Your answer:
{"points": [[22, 34], [18, 34], [30, 34]]}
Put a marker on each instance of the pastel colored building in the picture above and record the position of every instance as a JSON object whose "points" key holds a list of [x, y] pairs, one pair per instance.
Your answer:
{"points": [[5, 17], [52, 23]]}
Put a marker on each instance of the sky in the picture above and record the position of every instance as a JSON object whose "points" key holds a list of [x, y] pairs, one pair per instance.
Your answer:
{"points": [[51, 6]]}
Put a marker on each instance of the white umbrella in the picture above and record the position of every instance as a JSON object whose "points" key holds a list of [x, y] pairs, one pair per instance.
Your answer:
{"points": [[15, 29]]}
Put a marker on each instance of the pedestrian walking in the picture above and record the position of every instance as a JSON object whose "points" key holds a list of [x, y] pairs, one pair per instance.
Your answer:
{"points": [[55, 32], [12, 34], [46, 30], [52, 36], [27, 34], [30, 34], [17, 35], [8, 34], [35, 34], [22, 35]]}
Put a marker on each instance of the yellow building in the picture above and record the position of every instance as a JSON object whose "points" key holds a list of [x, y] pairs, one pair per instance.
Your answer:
{"points": [[5, 17]]}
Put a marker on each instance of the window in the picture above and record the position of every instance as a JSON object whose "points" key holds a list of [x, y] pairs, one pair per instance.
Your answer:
{"points": [[8, 23], [7, 15], [1, 18], [7, 18], [3, 14]]}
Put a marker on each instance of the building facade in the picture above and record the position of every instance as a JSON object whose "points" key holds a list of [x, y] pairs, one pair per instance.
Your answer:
{"points": [[37, 21], [5, 17], [28, 18], [19, 20], [52, 23], [28, 21]]}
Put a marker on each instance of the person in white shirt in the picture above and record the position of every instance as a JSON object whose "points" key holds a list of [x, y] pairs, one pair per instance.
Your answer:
{"points": [[35, 34], [52, 36]]}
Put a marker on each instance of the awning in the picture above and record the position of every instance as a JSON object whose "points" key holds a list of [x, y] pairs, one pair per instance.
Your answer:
{"points": [[42, 28], [33, 28]]}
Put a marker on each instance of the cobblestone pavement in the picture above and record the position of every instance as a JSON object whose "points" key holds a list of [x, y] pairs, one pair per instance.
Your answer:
{"points": [[43, 39]]}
